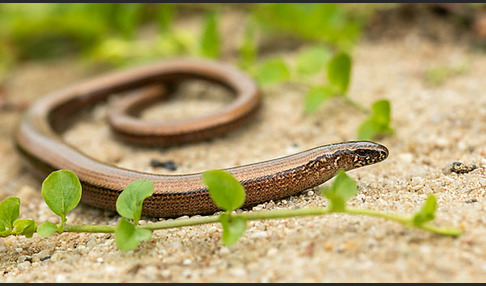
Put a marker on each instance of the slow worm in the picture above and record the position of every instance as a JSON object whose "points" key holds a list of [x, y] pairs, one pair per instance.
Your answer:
{"points": [[38, 138]]}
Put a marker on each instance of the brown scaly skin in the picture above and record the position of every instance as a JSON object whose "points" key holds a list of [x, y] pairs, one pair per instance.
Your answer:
{"points": [[38, 140]]}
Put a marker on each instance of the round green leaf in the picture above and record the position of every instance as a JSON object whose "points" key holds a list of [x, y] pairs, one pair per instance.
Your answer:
{"points": [[342, 189], [128, 237], [226, 191], [377, 122], [25, 227], [46, 229], [61, 191], [272, 71], [339, 71], [233, 228], [9, 212], [427, 212], [129, 203], [381, 112], [312, 60], [367, 130], [316, 96]]}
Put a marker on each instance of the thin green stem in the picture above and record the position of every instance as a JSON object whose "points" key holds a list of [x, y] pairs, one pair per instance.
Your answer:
{"points": [[89, 228], [356, 104], [266, 215], [407, 221], [249, 216], [180, 222]]}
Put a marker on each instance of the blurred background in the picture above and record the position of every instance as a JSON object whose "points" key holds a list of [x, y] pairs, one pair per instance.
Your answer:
{"points": [[256, 37], [112, 34]]}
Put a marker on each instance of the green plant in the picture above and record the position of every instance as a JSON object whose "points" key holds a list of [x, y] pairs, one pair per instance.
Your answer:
{"points": [[64, 188], [312, 62], [321, 22], [378, 122], [438, 75], [210, 40]]}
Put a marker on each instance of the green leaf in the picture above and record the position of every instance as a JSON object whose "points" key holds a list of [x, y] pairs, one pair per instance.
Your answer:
{"points": [[272, 71], [248, 50], [328, 22], [381, 112], [210, 41], [128, 237], [339, 71], [312, 60], [316, 96], [226, 191], [378, 122], [367, 130], [127, 17], [62, 192], [5, 233], [342, 189], [129, 203], [46, 229], [427, 212], [9, 212], [25, 227], [165, 15], [233, 228]]}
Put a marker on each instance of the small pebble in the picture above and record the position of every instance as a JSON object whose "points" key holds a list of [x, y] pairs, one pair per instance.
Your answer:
{"points": [[272, 251], [165, 273], [361, 198], [406, 157], [461, 168], [259, 234], [169, 165], [224, 250]]}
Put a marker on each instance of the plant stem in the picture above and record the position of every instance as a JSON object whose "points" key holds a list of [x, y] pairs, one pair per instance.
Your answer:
{"points": [[89, 228], [356, 104], [449, 231]]}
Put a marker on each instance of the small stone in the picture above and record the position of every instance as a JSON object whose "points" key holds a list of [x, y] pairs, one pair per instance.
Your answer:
{"points": [[224, 250], [406, 157], [187, 261], [361, 198], [187, 273], [272, 251], [259, 234], [43, 255], [24, 266], [238, 272], [57, 256], [257, 208], [61, 278], [165, 273], [441, 142], [461, 168]]}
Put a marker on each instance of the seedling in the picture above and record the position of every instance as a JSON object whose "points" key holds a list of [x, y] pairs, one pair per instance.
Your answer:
{"points": [[227, 193]]}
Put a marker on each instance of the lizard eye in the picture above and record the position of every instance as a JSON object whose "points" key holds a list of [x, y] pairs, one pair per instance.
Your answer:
{"points": [[362, 153]]}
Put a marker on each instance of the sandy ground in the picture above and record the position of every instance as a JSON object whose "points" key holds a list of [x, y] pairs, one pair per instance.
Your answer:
{"points": [[435, 126]]}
